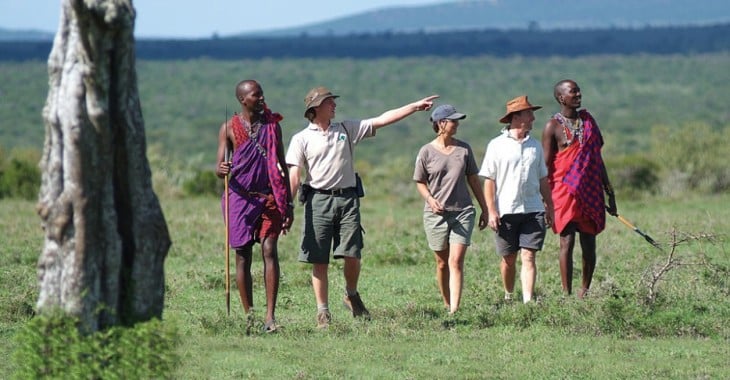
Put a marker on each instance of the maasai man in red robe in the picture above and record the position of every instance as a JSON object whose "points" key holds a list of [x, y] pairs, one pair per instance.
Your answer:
{"points": [[260, 203], [572, 145]]}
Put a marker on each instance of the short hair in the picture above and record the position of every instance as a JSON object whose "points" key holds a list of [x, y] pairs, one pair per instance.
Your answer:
{"points": [[557, 90], [310, 114], [242, 86]]}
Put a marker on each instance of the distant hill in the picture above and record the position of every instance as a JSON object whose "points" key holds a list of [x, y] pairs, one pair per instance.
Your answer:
{"points": [[519, 14]]}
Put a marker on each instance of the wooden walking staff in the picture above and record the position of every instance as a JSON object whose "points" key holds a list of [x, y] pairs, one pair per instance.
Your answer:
{"points": [[227, 221], [638, 231]]}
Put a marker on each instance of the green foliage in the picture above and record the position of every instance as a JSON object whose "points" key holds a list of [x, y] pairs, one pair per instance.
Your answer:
{"points": [[204, 182], [51, 346], [604, 336], [19, 175], [627, 95], [169, 173], [633, 176], [693, 158], [184, 102]]}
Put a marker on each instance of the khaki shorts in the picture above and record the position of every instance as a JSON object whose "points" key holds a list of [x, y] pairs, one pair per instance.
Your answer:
{"points": [[449, 227], [331, 223]]}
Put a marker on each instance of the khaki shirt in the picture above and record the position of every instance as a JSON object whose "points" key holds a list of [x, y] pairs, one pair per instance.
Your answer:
{"points": [[326, 155]]}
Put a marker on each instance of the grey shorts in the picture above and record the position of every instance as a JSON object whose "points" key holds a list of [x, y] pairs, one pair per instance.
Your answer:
{"points": [[331, 223], [448, 227], [520, 231]]}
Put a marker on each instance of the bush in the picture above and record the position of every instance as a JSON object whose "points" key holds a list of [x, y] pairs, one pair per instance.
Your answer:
{"points": [[204, 182], [692, 159], [20, 178], [51, 346], [633, 176]]}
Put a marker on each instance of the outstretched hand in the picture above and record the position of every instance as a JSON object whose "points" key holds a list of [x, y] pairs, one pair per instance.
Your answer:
{"points": [[426, 103]]}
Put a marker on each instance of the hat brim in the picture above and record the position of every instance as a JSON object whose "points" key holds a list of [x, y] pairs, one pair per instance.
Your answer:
{"points": [[318, 102], [456, 116], [507, 118], [453, 116]]}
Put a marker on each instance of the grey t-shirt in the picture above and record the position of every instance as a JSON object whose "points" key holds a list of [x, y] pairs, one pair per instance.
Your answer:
{"points": [[445, 174]]}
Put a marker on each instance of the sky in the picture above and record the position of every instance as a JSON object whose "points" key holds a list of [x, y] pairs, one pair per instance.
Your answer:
{"points": [[190, 19]]}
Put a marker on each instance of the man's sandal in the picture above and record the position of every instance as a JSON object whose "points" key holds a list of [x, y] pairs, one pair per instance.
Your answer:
{"points": [[270, 327]]}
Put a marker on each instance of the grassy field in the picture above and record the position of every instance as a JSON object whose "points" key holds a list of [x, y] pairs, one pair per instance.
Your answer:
{"points": [[614, 333]]}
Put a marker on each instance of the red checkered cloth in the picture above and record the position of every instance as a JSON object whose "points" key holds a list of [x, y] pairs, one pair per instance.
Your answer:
{"points": [[583, 179]]}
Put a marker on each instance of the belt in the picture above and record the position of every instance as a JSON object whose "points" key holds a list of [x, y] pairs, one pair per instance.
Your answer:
{"points": [[257, 194], [334, 191], [264, 194]]}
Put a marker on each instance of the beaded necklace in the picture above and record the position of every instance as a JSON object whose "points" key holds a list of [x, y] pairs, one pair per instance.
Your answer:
{"points": [[576, 129], [252, 130]]}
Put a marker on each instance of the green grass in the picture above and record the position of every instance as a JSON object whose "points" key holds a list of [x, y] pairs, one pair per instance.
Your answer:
{"points": [[184, 102], [613, 334]]}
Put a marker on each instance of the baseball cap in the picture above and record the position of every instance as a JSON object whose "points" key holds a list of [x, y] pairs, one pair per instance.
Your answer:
{"points": [[446, 111]]}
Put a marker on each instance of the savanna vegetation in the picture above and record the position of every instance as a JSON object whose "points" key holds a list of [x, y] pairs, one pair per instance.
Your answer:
{"points": [[663, 118], [652, 313]]}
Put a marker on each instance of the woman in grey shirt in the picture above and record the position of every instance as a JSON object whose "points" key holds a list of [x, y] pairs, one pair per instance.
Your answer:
{"points": [[444, 168]]}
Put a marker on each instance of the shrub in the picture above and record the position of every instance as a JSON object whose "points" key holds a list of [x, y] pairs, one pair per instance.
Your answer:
{"points": [[20, 178], [692, 158], [51, 346], [633, 175], [204, 182]]}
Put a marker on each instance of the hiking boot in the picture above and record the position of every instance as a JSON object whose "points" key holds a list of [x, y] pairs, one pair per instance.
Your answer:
{"points": [[323, 319], [355, 305]]}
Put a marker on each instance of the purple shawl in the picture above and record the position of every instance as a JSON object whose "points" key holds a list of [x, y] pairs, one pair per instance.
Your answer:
{"points": [[255, 170]]}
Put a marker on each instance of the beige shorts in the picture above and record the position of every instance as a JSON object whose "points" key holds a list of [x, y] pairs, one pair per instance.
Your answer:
{"points": [[449, 227]]}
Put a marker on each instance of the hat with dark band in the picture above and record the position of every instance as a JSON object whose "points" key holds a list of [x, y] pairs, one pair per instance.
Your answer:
{"points": [[517, 104], [316, 96]]}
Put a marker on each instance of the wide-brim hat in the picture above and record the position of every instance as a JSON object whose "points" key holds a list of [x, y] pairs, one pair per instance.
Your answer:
{"points": [[316, 96], [446, 111], [517, 104]]}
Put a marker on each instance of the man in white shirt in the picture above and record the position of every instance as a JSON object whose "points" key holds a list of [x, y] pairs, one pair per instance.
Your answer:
{"points": [[518, 195], [332, 207]]}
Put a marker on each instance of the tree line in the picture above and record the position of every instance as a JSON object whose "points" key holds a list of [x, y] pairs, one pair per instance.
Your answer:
{"points": [[500, 43]]}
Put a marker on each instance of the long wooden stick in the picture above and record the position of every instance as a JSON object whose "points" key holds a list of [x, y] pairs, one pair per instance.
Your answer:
{"points": [[638, 231], [227, 221]]}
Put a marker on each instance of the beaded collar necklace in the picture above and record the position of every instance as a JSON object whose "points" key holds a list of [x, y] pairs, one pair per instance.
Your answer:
{"points": [[253, 133], [576, 129]]}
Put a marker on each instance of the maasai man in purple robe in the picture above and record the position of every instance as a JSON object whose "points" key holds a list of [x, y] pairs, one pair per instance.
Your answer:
{"points": [[260, 206]]}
